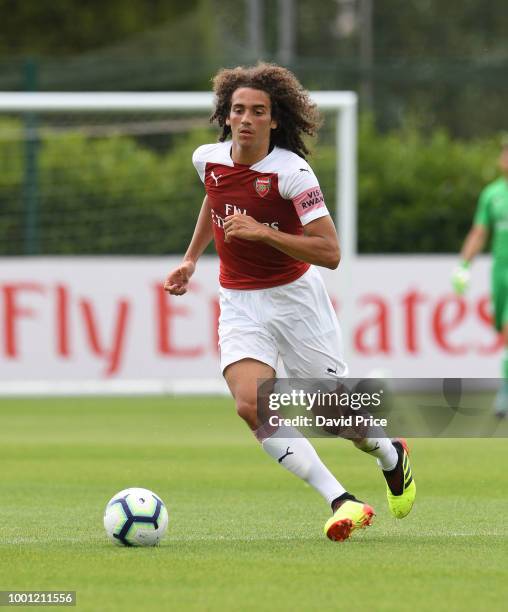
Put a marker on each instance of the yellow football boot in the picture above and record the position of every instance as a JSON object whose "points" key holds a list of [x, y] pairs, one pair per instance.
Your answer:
{"points": [[350, 515], [400, 484]]}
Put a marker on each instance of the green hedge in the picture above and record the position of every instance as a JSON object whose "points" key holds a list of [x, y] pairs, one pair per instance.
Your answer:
{"points": [[101, 196], [121, 195], [417, 190]]}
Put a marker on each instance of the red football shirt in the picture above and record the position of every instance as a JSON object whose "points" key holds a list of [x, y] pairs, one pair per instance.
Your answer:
{"points": [[280, 191]]}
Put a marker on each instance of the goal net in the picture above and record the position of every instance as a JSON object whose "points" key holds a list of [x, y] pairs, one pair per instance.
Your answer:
{"points": [[104, 175]]}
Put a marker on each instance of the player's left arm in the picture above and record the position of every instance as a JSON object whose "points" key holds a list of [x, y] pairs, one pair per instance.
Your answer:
{"points": [[318, 245]]}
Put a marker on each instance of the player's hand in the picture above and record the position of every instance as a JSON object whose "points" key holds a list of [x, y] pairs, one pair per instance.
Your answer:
{"points": [[461, 277], [177, 281], [242, 226]]}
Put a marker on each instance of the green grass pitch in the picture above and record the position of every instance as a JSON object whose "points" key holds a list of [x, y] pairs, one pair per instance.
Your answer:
{"points": [[243, 533]]}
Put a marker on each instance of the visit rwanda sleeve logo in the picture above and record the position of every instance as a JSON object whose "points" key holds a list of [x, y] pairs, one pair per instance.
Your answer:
{"points": [[263, 185]]}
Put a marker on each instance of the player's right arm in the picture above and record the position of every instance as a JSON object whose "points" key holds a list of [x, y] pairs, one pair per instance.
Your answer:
{"points": [[473, 244], [177, 281]]}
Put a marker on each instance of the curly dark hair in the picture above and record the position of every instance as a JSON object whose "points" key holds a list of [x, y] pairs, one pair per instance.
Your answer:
{"points": [[292, 107]]}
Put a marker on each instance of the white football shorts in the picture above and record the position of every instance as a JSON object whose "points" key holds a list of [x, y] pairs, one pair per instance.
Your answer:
{"points": [[295, 323]]}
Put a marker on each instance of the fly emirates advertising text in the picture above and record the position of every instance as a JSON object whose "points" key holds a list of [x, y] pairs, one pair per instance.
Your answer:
{"points": [[109, 319]]}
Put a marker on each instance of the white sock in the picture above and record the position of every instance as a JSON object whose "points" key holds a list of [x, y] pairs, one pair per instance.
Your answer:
{"points": [[294, 452], [382, 449]]}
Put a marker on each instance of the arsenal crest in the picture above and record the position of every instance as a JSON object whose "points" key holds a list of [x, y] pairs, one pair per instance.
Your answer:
{"points": [[263, 185]]}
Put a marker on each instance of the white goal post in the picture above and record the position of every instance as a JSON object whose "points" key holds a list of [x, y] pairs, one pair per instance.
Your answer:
{"points": [[342, 103]]}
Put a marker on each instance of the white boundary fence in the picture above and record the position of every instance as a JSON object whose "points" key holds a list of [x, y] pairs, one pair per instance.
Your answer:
{"points": [[104, 325]]}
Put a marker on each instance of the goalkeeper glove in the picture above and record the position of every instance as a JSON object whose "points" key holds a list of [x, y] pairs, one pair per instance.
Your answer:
{"points": [[460, 278]]}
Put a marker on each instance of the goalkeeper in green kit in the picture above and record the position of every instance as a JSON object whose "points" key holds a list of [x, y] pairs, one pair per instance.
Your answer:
{"points": [[492, 217]]}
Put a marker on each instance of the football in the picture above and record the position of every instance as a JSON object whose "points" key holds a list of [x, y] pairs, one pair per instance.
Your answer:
{"points": [[135, 517]]}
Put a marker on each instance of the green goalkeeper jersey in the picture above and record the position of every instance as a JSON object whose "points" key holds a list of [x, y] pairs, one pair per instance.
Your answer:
{"points": [[492, 212]]}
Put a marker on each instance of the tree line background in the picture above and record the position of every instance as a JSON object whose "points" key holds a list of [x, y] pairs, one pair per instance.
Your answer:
{"points": [[432, 79]]}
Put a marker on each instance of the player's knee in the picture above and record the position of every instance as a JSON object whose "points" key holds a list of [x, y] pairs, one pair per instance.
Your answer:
{"points": [[360, 443], [247, 410]]}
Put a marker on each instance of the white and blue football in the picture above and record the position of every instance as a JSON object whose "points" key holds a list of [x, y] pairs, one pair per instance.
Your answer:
{"points": [[136, 517]]}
